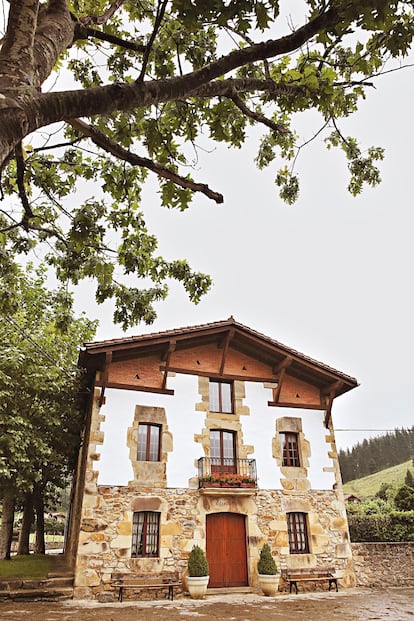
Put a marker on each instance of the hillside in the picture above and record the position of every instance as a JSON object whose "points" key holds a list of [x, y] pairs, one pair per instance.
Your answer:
{"points": [[369, 485], [375, 454]]}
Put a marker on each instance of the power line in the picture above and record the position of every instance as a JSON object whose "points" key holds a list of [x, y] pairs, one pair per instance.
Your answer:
{"points": [[45, 353], [365, 430]]}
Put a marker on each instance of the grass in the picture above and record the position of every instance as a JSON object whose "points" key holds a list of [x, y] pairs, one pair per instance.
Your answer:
{"points": [[369, 486], [26, 566]]}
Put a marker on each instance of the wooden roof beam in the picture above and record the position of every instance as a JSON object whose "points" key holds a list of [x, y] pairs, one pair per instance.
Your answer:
{"points": [[214, 375]]}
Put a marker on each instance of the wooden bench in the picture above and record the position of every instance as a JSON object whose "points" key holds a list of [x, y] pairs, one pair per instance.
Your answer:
{"points": [[315, 574], [146, 582]]}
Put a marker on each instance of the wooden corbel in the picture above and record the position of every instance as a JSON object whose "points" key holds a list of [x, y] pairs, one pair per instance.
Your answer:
{"points": [[329, 394], [280, 370], [226, 344], [167, 358], [108, 360]]}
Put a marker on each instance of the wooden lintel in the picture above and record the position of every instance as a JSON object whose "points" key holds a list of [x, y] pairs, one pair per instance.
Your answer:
{"points": [[104, 381], [167, 357], [288, 404], [229, 336], [161, 391], [215, 375]]}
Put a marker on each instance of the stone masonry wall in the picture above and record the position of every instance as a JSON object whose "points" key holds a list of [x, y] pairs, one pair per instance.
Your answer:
{"points": [[106, 532], [383, 564]]}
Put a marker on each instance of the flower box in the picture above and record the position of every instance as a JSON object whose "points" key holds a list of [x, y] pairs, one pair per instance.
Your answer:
{"points": [[227, 481]]}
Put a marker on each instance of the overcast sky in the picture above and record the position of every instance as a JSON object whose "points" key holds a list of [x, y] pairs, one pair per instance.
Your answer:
{"points": [[330, 276]]}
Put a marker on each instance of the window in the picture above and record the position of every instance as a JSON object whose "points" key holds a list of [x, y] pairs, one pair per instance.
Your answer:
{"points": [[222, 451], [298, 533], [145, 533], [148, 442], [290, 449], [221, 397]]}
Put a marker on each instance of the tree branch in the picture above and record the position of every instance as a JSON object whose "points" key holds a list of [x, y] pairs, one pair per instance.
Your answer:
{"points": [[162, 5], [84, 32], [257, 116], [100, 100], [135, 160], [52, 107], [11, 227], [102, 19], [28, 213], [20, 165], [58, 145], [50, 232]]}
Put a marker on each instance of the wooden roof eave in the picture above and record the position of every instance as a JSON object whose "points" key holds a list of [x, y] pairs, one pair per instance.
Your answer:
{"points": [[300, 366]]}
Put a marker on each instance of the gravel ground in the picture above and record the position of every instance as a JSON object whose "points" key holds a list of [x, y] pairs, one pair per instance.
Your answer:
{"points": [[396, 604]]}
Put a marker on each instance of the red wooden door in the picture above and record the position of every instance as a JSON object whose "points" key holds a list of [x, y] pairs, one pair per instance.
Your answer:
{"points": [[226, 550]]}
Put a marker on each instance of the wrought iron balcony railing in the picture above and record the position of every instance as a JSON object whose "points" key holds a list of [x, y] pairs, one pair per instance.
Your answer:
{"points": [[226, 472]]}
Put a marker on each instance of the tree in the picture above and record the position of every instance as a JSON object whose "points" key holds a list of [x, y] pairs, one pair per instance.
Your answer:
{"points": [[383, 491], [404, 498], [157, 78], [409, 478], [40, 417]]}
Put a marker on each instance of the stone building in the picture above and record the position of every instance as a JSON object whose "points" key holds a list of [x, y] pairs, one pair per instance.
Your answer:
{"points": [[213, 435]]}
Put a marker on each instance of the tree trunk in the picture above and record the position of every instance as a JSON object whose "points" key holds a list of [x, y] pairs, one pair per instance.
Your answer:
{"points": [[39, 547], [27, 521], [6, 530]]}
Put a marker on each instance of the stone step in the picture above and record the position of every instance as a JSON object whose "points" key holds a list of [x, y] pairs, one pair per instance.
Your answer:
{"points": [[34, 594], [57, 585], [229, 590], [59, 581], [15, 584]]}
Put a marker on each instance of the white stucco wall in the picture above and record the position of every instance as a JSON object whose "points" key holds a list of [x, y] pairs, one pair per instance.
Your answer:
{"points": [[184, 421]]}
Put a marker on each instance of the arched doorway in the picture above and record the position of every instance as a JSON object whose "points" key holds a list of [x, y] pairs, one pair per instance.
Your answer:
{"points": [[226, 550]]}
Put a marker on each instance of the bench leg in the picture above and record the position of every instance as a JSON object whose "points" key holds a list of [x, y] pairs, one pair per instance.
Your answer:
{"points": [[333, 581], [170, 592], [120, 594], [293, 583]]}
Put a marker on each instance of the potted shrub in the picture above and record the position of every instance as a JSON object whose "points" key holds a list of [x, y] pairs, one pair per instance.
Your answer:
{"points": [[267, 570], [197, 579]]}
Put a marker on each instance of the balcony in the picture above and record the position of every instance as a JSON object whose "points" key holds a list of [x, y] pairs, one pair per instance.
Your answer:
{"points": [[227, 473]]}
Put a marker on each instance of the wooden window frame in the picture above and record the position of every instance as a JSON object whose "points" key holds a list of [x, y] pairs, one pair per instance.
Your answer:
{"points": [[221, 466], [220, 384], [290, 449], [149, 427], [142, 537], [298, 532]]}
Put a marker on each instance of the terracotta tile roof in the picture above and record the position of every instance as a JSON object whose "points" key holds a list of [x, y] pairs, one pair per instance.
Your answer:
{"points": [[213, 326]]}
